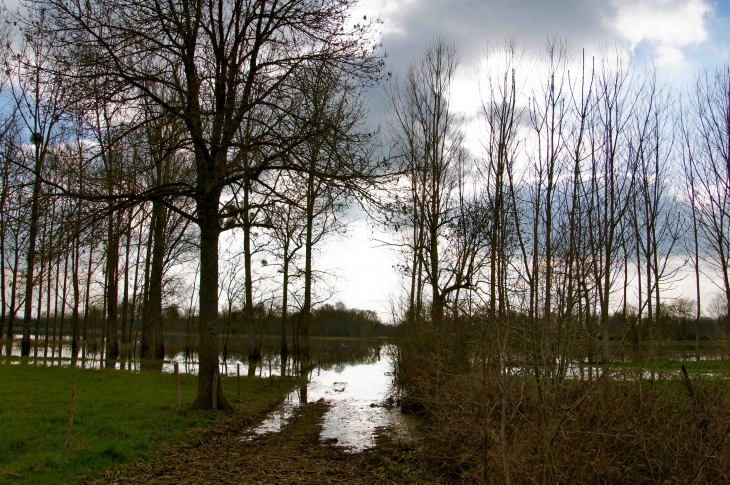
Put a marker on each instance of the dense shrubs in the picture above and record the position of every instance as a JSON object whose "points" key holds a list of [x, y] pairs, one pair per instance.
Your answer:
{"points": [[484, 419]]}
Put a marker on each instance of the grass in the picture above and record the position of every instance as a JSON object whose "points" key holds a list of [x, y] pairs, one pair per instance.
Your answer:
{"points": [[119, 417], [720, 368]]}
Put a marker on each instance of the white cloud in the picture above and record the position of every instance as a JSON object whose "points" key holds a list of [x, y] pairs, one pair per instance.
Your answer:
{"points": [[669, 25], [387, 10], [669, 56]]}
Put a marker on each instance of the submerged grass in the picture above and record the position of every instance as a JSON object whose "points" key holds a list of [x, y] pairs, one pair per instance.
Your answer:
{"points": [[119, 417], [720, 368]]}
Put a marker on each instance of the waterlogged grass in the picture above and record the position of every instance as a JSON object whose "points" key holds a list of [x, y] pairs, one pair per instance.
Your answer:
{"points": [[720, 368], [119, 417]]}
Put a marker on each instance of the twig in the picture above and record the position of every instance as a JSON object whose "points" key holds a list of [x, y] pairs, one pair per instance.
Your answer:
{"points": [[709, 455]]}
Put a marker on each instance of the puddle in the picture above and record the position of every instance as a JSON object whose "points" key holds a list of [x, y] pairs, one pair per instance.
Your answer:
{"points": [[355, 394]]}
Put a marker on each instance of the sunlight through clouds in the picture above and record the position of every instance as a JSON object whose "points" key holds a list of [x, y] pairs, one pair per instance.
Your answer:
{"points": [[669, 25]]}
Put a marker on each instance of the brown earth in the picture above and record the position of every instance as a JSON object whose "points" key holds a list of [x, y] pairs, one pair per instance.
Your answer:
{"points": [[295, 455]]}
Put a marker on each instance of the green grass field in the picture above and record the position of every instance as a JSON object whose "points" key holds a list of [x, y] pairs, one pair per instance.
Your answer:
{"points": [[120, 417]]}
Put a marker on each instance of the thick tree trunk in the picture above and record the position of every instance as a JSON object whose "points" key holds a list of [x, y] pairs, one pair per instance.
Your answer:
{"points": [[307, 304], [210, 393]]}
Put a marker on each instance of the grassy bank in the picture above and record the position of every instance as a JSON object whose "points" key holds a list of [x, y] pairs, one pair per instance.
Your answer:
{"points": [[119, 417]]}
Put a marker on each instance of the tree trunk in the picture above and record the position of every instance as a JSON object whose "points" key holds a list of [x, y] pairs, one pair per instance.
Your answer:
{"points": [[210, 393], [135, 293], [254, 352], [55, 303], [3, 222], [30, 260], [307, 304], [112, 261], [147, 338], [64, 294], [39, 301], [284, 351], [75, 285], [154, 301], [87, 295], [13, 295], [49, 283], [125, 296]]}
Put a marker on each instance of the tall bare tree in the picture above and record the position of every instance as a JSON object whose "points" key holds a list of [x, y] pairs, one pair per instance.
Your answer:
{"points": [[211, 65], [708, 138], [429, 140]]}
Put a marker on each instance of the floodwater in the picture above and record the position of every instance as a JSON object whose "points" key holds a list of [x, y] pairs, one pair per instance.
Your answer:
{"points": [[324, 354], [356, 395], [353, 377]]}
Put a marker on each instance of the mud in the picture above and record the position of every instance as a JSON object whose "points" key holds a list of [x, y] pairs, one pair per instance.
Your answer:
{"points": [[294, 455]]}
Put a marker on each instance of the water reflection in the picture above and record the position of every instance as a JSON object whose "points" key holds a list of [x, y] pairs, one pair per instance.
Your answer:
{"points": [[325, 354], [355, 393], [352, 376]]}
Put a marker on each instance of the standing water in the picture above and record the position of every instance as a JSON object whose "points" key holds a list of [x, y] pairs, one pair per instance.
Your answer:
{"points": [[355, 394], [353, 377]]}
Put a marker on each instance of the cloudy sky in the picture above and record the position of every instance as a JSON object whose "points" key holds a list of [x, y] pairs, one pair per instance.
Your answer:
{"points": [[678, 35]]}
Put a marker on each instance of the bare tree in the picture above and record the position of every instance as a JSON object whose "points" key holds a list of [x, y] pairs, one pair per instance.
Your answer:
{"points": [[334, 166], [611, 188], [288, 228], [658, 220], [41, 99], [210, 66], [708, 138], [429, 141]]}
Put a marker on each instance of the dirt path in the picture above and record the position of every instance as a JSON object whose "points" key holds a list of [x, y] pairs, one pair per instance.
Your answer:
{"points": [[295, 455]]}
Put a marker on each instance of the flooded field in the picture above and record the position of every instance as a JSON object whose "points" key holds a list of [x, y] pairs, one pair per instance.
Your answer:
{"points": [[354, 377], [323, 352]]}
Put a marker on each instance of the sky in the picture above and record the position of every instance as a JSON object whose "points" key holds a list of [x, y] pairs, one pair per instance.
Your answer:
{"points": [[678, 35]]}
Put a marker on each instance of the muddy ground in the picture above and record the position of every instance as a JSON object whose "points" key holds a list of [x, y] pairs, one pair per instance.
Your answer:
{"points": [[230, 454]]}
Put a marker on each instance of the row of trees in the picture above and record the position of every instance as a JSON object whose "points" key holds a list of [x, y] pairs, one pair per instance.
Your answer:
{"points": [[156, 128], [597, 185]]}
